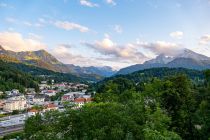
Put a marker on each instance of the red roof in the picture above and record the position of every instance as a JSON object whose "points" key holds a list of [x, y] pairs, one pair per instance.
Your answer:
{"points": [[89, 99], [33, 110], [79, 100], [50, 106], [50, 91]]}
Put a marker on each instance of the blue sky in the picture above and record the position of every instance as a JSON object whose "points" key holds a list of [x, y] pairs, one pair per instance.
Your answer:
{"points": [[117, 33]]}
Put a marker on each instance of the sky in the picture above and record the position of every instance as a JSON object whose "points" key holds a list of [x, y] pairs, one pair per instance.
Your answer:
{"points": [[116, 33]]}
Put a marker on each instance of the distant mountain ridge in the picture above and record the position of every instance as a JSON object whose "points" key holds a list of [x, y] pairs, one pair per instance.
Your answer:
{"points": [[103, 71], [43, 59], [186, 59]]}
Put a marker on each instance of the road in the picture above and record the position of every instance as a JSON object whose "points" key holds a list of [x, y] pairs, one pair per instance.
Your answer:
{"points": [[10, 130]]}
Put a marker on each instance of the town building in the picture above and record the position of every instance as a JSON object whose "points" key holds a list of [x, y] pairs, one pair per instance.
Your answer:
{"points": [[15, 103], [39, 99], [50, 93], [50, 107], [79, 102]]}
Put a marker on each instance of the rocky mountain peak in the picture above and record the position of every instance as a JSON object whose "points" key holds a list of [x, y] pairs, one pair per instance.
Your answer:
{"points": [[1, 48], [193, 55], [160, 59]]}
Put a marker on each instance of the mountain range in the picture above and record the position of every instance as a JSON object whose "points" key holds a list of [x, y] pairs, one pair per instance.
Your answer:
{"points": [[186, 59], [43, 59]]}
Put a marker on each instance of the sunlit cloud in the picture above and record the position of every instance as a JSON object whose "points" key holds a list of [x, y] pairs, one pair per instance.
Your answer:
{"points": [[162, 47], [16, 42], [128, 52], [63, 53], [205, 40]]}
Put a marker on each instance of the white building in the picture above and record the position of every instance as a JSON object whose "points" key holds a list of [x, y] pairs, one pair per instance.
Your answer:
{"points": [[39, 99], [50, 92], [79, 102], [15, 103]]}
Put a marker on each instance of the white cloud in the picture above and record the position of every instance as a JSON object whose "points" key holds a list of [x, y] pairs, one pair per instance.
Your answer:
{"points": [[118, 29], [88, 3], [70, 26], [63, 53], [205, 40], [112, 2], [177, 35], [16, 42], [162, 47], [125, 53]]}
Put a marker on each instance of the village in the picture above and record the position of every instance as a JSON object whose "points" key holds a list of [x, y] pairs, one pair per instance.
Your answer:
{"points": [[17, 107]]}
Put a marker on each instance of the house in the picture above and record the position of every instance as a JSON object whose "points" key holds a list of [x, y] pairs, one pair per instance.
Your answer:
{"points": [[68, 97], [43, 85], [14, 92], [8, 93], [81, 86], [50, 92], [61, 86], [87, 96], [15, 103], [79, 102], [39, 99], [30, 90], [71, 96], [43, 82], [50, 107], [32, 112]]}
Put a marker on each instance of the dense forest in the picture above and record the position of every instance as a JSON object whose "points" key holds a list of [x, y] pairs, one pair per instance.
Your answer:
{"points": [[13, 78], [169, 108], [161, 73], [58, 77]]}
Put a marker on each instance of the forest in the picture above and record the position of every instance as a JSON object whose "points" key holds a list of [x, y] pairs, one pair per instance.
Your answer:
{"points": [[169, 108], [13, 78]]}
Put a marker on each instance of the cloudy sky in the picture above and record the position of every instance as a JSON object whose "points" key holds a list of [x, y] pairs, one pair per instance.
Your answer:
{"points": [[116, 33]]}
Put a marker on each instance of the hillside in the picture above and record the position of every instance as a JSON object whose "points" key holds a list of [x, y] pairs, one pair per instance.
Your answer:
{"points": [[161, 73], [21, 76], [57, 76], [13, 78], [39, 58]]}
